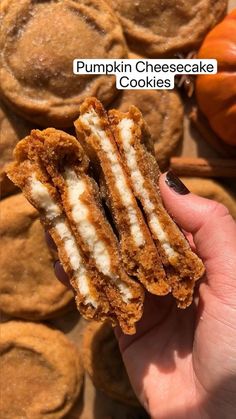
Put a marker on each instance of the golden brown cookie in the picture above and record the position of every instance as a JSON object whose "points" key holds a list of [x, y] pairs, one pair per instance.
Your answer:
{"points": [[211, 189], [103, 362], [41, 371], [159, 28], [12, 129], [139, 255], [53, 171], [163, 112], [39, 41], [182, 266], [28, 286]]}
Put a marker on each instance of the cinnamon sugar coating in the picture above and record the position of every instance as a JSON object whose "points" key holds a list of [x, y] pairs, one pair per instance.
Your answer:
{"points": [[158, 28], [39, 41], [41, 371], [29, 288], [12, 129]]}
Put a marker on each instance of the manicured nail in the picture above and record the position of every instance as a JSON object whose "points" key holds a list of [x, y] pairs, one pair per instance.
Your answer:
{"points": [[55, 263], [175, 183]]}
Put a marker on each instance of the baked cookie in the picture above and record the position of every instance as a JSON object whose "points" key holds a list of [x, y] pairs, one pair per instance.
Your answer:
{"points": [[41, 371], [138, 251], [181, 265], [103, 362], [53, 171], [163, 112], [28, 286], [39, 41], [211, 189], [159, 28], [105, 248], [12, 128]]}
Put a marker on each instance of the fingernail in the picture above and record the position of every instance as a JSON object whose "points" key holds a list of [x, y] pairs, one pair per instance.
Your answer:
{"points": [[55, 263], [175, 183]]}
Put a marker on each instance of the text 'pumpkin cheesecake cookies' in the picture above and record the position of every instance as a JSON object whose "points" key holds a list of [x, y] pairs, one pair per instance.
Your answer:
{"points": [[103, 362], [52, 170], [163, 112], [39, 41], [28, 286], [41, 371], [159, 28], [12, 129]]}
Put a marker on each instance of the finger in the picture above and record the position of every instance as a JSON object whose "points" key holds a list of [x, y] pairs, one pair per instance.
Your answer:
{"points": [[212, 227], [60, 274]]}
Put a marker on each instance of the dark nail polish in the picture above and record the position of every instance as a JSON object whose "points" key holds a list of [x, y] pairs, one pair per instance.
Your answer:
{"points": [[175, 183], [55, 263]]}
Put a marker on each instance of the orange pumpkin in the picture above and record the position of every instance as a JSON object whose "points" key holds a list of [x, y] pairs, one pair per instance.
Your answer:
{"points": [[216, 93]]}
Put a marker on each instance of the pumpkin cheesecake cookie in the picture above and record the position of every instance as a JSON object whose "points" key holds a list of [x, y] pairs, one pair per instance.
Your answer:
{"points": [[12, 129], [211, 189], [103, 362], [104, 212], [182, 266], [41, 371], [39, 41], [28, 286], [53, 171], [159, 28], [139, 255], [163, 112]]}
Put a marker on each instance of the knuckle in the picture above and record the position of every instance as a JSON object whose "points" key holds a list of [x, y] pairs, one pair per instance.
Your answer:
{"points": [[220, 210]]}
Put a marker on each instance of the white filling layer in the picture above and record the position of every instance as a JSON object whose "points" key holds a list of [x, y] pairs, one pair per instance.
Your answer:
{"points": [[74, 256], [41, 195], [80, 213], [92, 121], [125, 127]]}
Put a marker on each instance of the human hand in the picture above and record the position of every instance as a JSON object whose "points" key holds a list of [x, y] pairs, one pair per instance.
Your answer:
{"points": [[182, 363]]}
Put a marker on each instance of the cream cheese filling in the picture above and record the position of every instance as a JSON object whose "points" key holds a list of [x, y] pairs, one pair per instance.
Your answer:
{"points": [[92, 121], [76, 187], [42, 197], [40, 194], [125, 128]]}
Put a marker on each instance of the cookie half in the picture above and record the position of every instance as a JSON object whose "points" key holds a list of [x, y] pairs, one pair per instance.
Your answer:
{"points": [[139, 254], [164, 114], [52, 170], [182, 266]]}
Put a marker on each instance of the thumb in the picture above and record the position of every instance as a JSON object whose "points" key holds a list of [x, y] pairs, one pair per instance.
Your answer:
{"points": [[213, 230]]}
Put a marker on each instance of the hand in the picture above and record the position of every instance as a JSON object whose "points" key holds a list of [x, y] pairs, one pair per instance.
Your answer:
{"points": [[182, 363]]}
